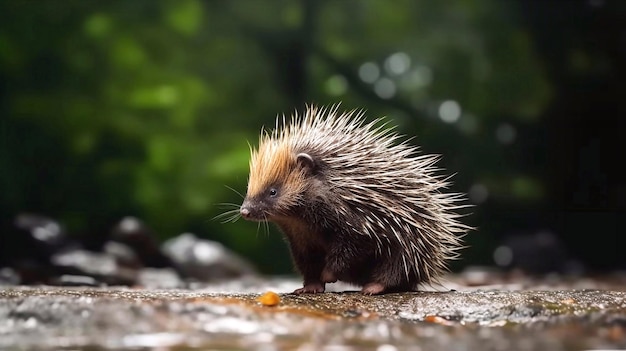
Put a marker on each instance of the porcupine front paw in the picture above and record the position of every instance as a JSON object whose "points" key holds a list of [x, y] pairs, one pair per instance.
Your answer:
{"points": [[373, 289], [328, 276], [310, 288]]}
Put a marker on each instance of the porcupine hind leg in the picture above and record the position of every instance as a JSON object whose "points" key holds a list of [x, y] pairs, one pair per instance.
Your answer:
{"points": [[390, 275], [373, 289], [350, 259], [377, 283]]}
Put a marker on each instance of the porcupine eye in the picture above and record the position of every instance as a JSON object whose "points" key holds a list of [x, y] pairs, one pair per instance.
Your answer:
{"points": [[273, 192]]}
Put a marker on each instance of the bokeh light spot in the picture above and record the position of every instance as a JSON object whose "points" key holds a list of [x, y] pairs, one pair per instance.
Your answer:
{"points": [[336, 85], [503, 256], [385, 88], [449, 111], [398, 63], [421, 76], [369, 72], [129, 224]]}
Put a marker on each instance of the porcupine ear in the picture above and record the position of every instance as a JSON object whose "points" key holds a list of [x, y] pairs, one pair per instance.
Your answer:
{"points": [[306, 161]]}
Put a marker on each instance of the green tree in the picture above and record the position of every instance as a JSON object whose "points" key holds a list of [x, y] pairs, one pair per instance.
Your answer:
{"points": [[146, 107]]}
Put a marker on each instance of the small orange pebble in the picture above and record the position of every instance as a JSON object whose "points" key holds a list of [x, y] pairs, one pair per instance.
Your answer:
{"points": [[568, 301], [438, 320], [269, 298]]}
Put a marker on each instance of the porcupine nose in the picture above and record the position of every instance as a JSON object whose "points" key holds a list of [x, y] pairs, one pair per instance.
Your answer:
{"points": [[244, 212]]}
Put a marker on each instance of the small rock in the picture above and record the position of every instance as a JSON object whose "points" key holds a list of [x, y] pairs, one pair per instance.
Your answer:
{"points": [[30, 240], [123, 254], [205, 260], [42, 229], [8, 276], [478, 275], [132, 232], [97, 265], [269, 299], [75, 280], [438, 320], [86, 261], [34, 237], [159, 278]]}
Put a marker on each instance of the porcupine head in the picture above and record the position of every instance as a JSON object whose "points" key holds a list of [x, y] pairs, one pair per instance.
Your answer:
{"points": [[354, 204]]}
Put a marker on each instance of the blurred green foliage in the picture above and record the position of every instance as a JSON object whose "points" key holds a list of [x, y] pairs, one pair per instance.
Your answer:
{"points": [[113, 108]]}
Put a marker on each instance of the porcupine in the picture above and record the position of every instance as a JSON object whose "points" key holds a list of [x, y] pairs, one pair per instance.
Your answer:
{"points": [[353, 203]]}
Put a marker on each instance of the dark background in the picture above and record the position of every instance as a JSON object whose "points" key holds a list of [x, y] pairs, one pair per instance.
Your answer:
{"points": [[145, 108]]}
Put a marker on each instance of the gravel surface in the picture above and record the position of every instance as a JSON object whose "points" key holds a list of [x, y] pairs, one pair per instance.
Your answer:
{"points": [[231, 316]]}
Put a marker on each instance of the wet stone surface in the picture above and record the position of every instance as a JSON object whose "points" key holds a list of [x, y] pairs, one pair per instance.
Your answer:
{"points": [[229, 316]]}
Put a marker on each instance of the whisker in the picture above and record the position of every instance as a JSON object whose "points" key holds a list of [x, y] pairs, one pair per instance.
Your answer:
{"points": [[234, 218], [266, 226], [236, 192], [228, 216], [228, 205]]}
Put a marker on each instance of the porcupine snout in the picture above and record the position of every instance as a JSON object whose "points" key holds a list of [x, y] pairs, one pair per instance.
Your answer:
{"points": [[250, 211]]}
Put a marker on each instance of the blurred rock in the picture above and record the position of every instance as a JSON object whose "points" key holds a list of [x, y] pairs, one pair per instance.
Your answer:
{"points": [[39, 252], [159, 278], [100, 266], [123, 254], [9, 276], [135, 234], [479, 275], [75, 280], [86, 261], [205, 260], [29, 241], [42, 229], [34, 237]]}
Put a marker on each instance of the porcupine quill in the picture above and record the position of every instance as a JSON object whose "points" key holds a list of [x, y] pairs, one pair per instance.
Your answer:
{"points": [[355, 204]]}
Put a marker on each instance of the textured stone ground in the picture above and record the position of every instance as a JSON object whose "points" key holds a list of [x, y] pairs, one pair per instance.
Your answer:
{"points": [[229, 316]]}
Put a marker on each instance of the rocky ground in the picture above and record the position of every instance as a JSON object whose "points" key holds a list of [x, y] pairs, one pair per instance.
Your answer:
{"points": [[127, 291], [244, 314]]}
